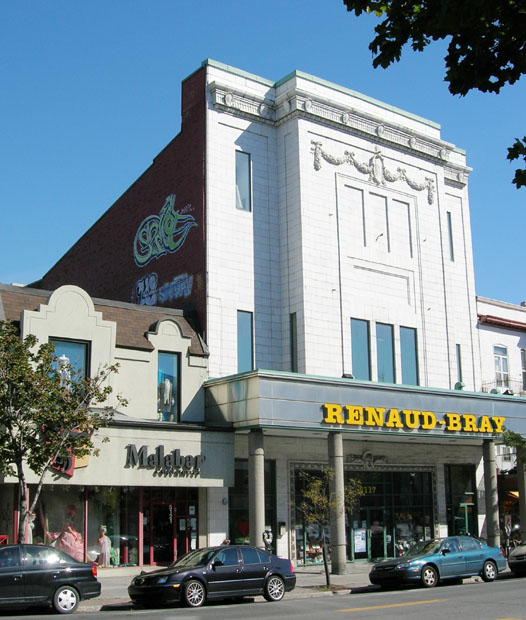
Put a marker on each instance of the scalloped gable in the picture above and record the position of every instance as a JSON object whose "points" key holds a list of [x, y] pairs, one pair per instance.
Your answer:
{"points": [[70, 314]]}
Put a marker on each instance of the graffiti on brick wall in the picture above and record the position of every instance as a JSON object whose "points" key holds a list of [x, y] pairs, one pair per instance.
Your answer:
{"points": [[146, 290], [160, 234], [149, 293]]}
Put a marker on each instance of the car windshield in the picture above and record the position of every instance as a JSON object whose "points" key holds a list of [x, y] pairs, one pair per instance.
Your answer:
{"points": [[200, 557], [426, 547]]}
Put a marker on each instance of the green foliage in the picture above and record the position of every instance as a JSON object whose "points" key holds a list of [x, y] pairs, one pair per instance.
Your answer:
{"points": [[517, 151], [517, 441], [316, 500], [487, 40], [42, 419]]}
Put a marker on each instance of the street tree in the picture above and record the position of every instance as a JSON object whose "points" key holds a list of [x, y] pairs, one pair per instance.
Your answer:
{"points": [[49, 414], [317, 503], [517, 441], [486, 49]]}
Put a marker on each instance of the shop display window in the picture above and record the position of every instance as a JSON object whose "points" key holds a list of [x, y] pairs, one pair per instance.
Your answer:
{"points": [[238, 502], [59, 520], [97, 524], [395, 511], [113, 526], [461, 500]]}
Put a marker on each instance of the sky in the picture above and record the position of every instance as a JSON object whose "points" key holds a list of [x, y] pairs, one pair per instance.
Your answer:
{"points": [[91, 93]]}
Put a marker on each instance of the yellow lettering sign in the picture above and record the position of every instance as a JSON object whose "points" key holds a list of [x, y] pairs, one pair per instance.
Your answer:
{"points": [[410, 419], [498, 423], [393, 419], [429, 420], [333, 414], [374, 416], [354, 415]]}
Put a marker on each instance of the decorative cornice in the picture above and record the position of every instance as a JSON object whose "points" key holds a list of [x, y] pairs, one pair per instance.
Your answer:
{"points": [[374, 168], [302, 104]]}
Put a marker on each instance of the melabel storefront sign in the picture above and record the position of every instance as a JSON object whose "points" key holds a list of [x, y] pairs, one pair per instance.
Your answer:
{"points": [[163, 463], [410, 419]]}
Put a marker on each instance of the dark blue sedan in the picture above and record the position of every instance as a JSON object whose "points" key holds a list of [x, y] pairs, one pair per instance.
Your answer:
{"points": [[231, 571], [432, 561]]}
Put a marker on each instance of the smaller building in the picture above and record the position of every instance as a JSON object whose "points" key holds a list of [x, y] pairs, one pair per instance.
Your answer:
{"points": [[502, 336], [158, 485]]}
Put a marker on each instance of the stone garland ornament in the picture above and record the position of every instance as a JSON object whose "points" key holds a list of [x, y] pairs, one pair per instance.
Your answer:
{"points": [[374, 168]]}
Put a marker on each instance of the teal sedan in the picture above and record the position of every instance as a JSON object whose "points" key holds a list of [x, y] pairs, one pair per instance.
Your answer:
{"points": [[432, 561]]}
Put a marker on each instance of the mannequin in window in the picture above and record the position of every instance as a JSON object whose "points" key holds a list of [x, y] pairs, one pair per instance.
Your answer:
{"points": [[63, 371], [165, 396]]}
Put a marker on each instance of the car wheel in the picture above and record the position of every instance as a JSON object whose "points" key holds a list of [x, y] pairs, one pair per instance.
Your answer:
{"points": [[429, 577], [274, 589], [489, 571], [66, 600], [194, 593]]}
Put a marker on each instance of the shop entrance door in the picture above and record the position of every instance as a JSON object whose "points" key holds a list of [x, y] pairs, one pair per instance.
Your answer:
{"points": [[369, 534], [163, 534]]}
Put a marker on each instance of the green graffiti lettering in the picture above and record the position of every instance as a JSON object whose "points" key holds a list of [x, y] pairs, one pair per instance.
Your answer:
{"points": [[160, 234]]}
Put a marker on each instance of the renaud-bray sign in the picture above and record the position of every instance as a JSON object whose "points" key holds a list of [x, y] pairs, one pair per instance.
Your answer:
{"points": [[380, 417], [172, 463]]}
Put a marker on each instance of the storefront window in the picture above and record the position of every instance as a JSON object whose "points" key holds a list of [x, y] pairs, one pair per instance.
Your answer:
{"points": [[395, 510], [112, 513], [461, 500], [107, 534], [59, 520], [238, 502]]}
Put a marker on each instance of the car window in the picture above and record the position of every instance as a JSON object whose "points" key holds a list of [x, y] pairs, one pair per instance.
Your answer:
{"points": [[45, 556], [228, 556], [426, 547], [249, 555], [470, 544], [451, 544], [199, 557], [264, 556], [9, 557]]}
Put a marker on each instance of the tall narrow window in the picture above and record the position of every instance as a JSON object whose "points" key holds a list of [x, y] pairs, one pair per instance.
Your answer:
{"points": [[523, 364], [385, 353], [360, 349], [450, 236], [72, 355], [459, 363], [293, 342], [500, 355], [168, 387], [243, 189], [245, 347], [408, 352]]}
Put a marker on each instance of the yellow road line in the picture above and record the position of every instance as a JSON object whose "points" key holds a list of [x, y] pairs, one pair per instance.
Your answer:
{"points": [[393, 605]]}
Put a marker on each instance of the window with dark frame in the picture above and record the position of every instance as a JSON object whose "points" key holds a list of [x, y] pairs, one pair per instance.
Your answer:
{"points": [[243, 181], [73, 357], [168, 386]]}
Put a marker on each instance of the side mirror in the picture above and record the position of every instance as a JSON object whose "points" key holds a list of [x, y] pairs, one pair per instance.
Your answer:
{"points": [[445, 551], [217, 563]]}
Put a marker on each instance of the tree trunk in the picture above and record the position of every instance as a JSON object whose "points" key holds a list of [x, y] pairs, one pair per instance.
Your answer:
{"points": [[22, 503], [325, 559]]}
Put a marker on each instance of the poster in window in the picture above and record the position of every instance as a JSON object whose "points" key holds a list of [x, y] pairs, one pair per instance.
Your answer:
{"points": [[360, 538]]}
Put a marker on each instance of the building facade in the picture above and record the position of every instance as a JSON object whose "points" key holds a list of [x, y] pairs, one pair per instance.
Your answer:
{"points": [[324, 236], [157, 485]]}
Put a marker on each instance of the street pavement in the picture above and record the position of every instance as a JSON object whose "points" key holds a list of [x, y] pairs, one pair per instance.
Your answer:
{"points": [[310, 581]]}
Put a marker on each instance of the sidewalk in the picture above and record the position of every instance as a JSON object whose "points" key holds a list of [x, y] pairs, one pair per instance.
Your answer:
{"points": [[310, 582]]}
